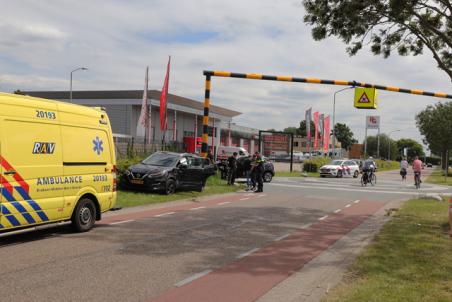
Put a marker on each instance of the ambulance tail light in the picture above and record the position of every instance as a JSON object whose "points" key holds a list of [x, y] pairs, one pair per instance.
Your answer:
{"points": [[115, 180]]}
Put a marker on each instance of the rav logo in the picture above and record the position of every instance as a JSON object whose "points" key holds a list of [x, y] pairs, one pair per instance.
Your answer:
{"points": [[43, 148]]}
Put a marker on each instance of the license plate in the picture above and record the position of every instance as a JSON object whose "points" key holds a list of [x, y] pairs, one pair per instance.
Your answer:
{"points": [[137, 181]]}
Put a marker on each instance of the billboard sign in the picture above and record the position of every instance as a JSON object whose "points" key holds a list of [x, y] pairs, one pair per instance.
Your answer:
{"points": [[373, 122]]}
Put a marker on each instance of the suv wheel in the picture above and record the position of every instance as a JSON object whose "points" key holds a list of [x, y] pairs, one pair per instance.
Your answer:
{"points": [[170, 187], [268, 176]]}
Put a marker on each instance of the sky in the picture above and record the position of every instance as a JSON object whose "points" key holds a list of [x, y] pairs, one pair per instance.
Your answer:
{"points": [[42, 41]]}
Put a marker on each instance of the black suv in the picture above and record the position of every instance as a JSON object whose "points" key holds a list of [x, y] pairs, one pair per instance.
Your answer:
{"points": [[168, 172], [269, 169]]}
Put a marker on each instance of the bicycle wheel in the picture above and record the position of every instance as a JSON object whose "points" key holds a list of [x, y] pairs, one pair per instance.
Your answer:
{"points": [[373, 179], [363, 183]]}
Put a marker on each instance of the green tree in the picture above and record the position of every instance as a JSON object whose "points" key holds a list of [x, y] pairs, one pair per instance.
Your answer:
{"points": [[294, 130], [303, 129], [414, 148], [386, 25], [385, 143], [435, 124], [344, 135]]}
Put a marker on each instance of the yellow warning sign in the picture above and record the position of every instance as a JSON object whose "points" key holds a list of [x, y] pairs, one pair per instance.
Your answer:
{"points": [[365, 98]]}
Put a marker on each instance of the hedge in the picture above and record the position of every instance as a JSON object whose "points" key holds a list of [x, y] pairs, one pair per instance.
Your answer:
{"points": [[314, 164]]}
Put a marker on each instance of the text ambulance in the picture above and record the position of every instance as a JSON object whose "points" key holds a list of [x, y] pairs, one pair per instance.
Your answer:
{"points": [[57, 164]]}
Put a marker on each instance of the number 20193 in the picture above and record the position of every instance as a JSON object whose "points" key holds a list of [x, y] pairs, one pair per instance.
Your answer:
{"points": [[45, 114]]}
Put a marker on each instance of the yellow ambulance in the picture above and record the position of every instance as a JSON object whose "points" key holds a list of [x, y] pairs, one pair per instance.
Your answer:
{"points": [[57, 164]]}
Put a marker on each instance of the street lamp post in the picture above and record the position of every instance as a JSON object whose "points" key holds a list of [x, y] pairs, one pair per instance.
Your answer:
{"points": [[389, 142], [70, 88], [334, 117]]}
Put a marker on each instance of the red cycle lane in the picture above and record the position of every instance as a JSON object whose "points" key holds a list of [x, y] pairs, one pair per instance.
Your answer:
{"points": [[251, 277]]}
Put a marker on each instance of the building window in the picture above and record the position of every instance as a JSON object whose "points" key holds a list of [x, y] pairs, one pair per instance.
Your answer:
{"points": [[189, 134], [303, 145], [295, 144], [209, 131]]}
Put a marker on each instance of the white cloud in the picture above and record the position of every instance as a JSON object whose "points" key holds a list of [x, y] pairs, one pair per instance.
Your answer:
{"points": [[42, 41]]}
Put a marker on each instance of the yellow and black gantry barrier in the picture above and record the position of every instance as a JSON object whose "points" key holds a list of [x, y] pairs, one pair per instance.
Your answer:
{"points": [[253, 76]]}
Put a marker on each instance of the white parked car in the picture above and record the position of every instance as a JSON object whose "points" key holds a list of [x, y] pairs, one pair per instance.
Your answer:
{"points": [[340, 168]]}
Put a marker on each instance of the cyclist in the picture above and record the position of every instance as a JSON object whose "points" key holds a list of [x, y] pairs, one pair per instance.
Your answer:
{"points": [[369, 168], [403, 168], [417, 168]]}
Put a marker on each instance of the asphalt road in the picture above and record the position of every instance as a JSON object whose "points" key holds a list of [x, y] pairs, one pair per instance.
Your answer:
{"points": [[207, 250]]}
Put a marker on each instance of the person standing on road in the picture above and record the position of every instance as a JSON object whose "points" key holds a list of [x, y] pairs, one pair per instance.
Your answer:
{"points": [[403, 168], [247, 169], [259, 173], [417, 168], [232, 165]]}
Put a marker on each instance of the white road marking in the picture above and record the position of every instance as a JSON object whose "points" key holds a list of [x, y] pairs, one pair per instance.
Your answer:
{"points": [[337, 211], [246, 253], [193, 278], [281, 237], [262, 195], [164, 214], [198, 208], [119, 222], [348, 206], [324, 217], [414, 193], [246, 198], [356, 201], [223, 203]]}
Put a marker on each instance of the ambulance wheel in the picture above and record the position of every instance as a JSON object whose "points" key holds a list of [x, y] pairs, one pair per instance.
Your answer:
{"points": [[356, 174], [84, 215]]}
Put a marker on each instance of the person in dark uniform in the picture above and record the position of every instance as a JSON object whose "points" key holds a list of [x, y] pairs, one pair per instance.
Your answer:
{"points": [[259, 173], [210, 155], [247, 169], [232, 165]]}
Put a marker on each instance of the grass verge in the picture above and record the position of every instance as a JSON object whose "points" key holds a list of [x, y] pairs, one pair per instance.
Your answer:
{"points": [[437, 177], [410, 260], [215, 185], [296, 174], [387, 165]]}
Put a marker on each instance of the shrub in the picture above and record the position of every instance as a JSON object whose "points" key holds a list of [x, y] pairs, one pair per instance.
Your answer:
{"points": [[385, 165], [314, 164]]}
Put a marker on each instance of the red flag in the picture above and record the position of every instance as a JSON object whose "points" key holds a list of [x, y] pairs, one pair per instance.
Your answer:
{"points": [[163, 96], [326, 136], [316, 126]]}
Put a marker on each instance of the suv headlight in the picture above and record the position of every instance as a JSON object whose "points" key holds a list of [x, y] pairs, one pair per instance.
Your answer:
{"points": [[158, 174], [128, 173]]}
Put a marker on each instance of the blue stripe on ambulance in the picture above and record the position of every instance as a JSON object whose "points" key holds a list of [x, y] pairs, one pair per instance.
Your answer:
{"points": [[18, 206], [1, 226], [10, 217], [32, 203]]}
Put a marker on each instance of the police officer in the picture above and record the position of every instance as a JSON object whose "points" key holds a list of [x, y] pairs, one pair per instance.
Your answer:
{"points": [[259, 173], [232, 165]]}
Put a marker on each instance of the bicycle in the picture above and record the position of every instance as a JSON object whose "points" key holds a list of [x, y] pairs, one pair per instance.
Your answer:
{"points": [[417, 180], [368, 177], [403, 173]]}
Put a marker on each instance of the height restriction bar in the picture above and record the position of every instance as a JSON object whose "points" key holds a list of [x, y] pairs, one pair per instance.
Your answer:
{"points": [[208, 74]]}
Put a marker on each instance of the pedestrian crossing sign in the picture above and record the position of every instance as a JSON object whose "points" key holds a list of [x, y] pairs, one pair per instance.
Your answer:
{"points": [[365, 98]]}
